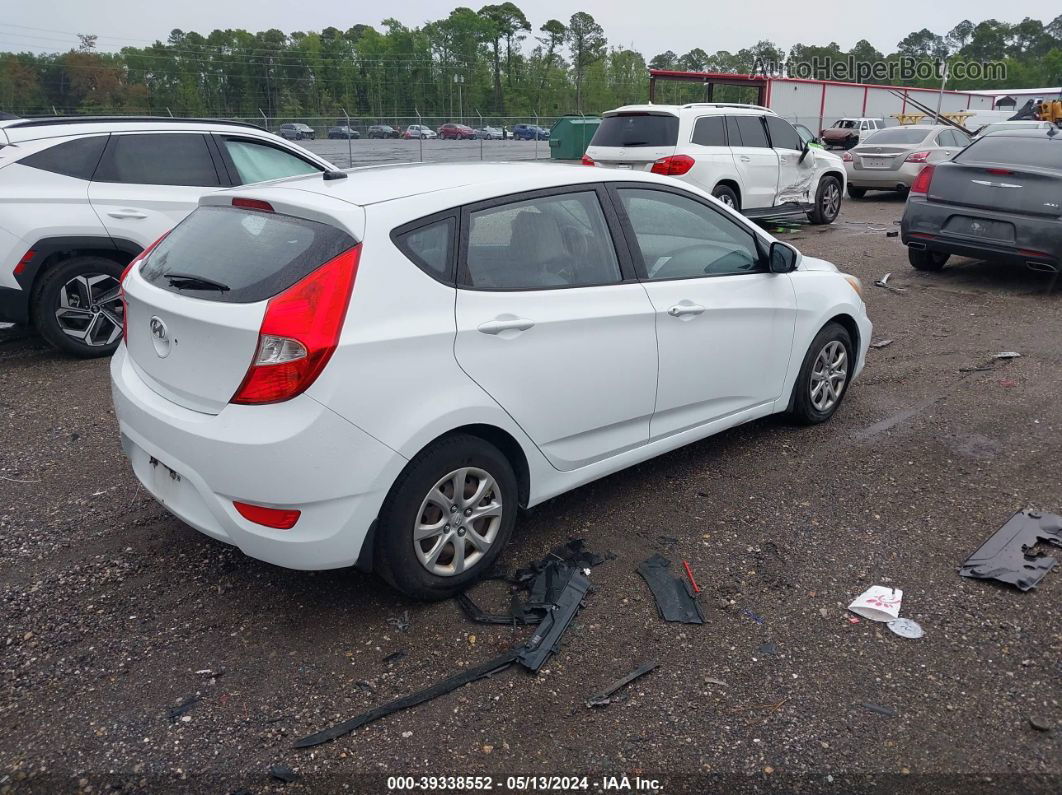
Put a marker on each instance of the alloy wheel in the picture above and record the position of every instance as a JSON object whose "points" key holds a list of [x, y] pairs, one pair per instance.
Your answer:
{"points": [[829, 375], [90, 309], [831, 200], [458, 521]]}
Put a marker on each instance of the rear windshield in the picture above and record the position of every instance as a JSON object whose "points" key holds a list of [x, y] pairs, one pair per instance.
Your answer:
{"points": [[255, 255], [1012, 151], [1010, 125], [640, 129], [899, 135]]}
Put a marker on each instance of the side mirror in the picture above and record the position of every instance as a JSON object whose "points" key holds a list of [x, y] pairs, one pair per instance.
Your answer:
{"points": [[804, 153], [782, 257]]}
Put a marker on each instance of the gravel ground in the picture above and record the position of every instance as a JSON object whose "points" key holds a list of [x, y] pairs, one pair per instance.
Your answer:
{"points": [[113, 612]]}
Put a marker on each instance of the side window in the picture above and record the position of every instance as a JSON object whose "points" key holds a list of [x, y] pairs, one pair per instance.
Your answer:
{"points": [[76, 158], [752, 132], [783, 136], [257, 162], [710, 131], [543, 243], [158, 159], [961, 139], [945, 138], [430, 247], [681, 238]]}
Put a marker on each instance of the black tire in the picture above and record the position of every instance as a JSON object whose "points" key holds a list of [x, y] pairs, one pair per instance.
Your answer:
{"points": [[827, 201], [856, 193], [395, 558], [923, 260], [803, 410], [727, 196], [47, 295]]}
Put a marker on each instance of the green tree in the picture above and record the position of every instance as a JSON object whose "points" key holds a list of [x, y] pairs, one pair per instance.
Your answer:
{"points": [[586, 42]]}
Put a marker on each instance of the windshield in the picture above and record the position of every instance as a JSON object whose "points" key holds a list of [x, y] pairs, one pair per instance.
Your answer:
{"points": [[899, 135], [637, 129], [846, 124]]}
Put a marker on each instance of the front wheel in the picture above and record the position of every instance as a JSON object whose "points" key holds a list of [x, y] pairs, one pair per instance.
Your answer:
{"points": [[824, 375], [77, 309], [446, 518], [827, 201], [923, 260]]}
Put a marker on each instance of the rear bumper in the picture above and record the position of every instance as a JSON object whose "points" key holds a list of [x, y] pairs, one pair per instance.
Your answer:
{"points": [[884, 179], [296, 454], [1037, 241]]}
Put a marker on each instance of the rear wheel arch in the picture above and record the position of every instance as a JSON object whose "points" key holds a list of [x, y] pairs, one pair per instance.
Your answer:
{"points": [[53, 251], [505, 442]]}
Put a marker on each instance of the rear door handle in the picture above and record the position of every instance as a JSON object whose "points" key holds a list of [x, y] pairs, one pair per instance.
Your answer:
{"points": [[681, 310], [127, 214], [744, 158], [498, 325]]}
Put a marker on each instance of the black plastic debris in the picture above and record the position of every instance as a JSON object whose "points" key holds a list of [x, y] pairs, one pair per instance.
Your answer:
{"points": [[604, 698], [673, 596], [1005, 555], [283, 773], [394, 656], [888, 712], [401, 623], [542, 582], [532, 655], [173, 713]]}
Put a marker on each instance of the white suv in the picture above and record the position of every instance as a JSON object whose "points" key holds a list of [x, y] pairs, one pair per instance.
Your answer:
{"points": [[744, 155], [380, 370], [80, 197]]}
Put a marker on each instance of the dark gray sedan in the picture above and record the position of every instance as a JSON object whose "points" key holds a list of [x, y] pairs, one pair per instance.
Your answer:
{"points": [[999, 199]]}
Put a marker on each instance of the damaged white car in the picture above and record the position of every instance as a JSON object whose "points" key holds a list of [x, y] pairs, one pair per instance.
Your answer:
{"points": [[746, 156]]}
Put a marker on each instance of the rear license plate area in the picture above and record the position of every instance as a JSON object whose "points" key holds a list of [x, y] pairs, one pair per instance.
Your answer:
{"points": [[981, 228], [877, 162], [166, 482]]}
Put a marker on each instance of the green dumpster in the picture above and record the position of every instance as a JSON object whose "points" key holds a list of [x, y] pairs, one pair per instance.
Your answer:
{"points": [[570, 135]]}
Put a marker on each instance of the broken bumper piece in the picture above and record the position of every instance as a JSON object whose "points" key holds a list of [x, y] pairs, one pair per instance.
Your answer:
{"points": [[1005, 555]]}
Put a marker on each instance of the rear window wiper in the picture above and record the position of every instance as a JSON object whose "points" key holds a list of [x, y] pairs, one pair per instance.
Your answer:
{"points": [[193, 282]]}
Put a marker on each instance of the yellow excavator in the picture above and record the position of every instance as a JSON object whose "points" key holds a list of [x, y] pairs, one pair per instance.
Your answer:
{"points": [[1050, 110]]}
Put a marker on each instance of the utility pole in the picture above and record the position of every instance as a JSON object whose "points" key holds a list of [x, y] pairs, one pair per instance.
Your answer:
{"points": [[460, 80], [943, 80]]}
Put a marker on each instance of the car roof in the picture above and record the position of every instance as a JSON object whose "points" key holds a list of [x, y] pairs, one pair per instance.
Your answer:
{"points": [[703, 107], [375, 184], [58, 126]]}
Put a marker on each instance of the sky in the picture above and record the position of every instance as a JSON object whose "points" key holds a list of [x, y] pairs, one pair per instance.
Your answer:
{"points": [[678, 25]]}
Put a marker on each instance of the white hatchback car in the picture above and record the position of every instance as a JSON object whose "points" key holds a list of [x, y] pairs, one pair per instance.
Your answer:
{"points": [[745, 155], [380, 370]]}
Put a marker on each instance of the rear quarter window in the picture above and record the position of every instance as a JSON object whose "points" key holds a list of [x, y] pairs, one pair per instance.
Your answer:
{"points": [[710, 131], [255, 255], [637, 129], [430, 246], [76, 158]]}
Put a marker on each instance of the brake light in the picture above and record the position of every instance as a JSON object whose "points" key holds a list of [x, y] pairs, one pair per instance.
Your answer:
{"points": [[848, 157], [300, 332], [673, 166], [588, 161], [22, 263], [917, 157], [277, 518], [121, 284], [252, 204], [923, 180]]}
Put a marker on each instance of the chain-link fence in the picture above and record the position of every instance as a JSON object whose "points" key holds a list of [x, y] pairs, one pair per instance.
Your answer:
{"points": [[321, 125]]}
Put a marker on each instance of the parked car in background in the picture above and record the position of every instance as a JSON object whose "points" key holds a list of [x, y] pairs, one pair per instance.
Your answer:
{"points": [[343, 131], [297, 131], [998, 199], [81, 196], [529, 132], [291, 420], [419, 131], [891, 159], [746, 156], [382, 131], [1023, 124], [457, 132], [846, 133], [490, 133]]}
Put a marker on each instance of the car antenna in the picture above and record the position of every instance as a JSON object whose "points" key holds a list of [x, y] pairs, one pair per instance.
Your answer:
{"points": [[334, 174]]}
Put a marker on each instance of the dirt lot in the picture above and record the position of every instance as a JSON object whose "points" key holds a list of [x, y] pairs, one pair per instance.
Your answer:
{"points": [[113, 612]]}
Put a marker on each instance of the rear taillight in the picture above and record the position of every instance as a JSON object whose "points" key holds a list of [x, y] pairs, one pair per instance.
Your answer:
{"points": [[277, 518], [917, 157], [588, 161], [20, 266], [848, 157], [121, 284], [923, 180], [673, 166], [300, 332]]}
